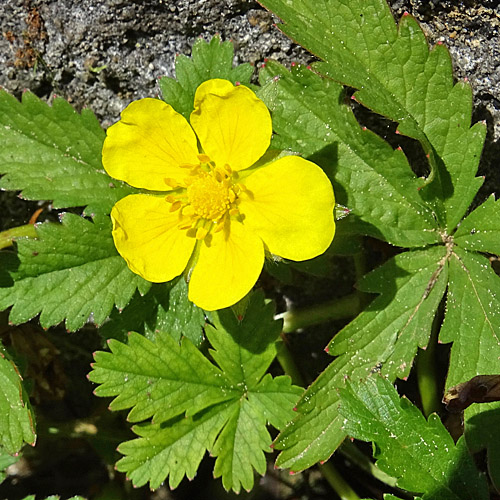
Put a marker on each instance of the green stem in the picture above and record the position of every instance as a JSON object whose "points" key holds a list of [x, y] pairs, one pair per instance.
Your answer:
{"points": [[336, 481], [427, 376], [285, 359], [358, 458], [8, 236], [342, 308]]}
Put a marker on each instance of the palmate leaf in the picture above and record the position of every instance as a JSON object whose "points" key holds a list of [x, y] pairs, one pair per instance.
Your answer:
{"points": [[212, 59], [480, 230], [374, 340], [54, 153], [197, 405], [373, 180], [71, 273], [384, 337], [399, 77], [472, 320], [420, 453], [17, 423]]}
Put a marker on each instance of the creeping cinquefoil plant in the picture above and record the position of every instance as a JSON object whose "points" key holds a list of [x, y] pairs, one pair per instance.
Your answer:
{"points": [[205, 258]]}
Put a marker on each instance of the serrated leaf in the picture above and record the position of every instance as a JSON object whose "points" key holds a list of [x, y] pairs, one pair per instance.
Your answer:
{"points": [[482, 432], [373, 180], [54, 153], [17, 423], [212, 59], [164, 380], [472, 320], [172, 449], [159, 379], [383, 337], [480, 230], [164, 309], [239, 447], [420, 453], [71, 273], [399, 77]]}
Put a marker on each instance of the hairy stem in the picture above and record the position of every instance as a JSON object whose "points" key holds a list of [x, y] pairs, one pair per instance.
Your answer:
{"points": [[285, 359], [7, 237], [342, 308]]}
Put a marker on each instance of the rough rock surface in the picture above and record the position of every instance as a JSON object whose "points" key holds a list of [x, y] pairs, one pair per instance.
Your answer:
{"points": [[102, 54]]}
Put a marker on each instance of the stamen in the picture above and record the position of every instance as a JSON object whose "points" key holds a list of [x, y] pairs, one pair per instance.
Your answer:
{"points": [[171, 182], [185, 225], [201, 232], [204, 158], [175, 206]]}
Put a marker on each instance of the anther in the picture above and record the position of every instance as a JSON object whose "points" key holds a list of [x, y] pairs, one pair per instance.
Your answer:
{"points": [[175, 206], [171, 182], [204, 158], [201, 232]]}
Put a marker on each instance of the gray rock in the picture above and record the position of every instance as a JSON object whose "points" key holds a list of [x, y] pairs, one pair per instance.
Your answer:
{"points": [[102, 54]]}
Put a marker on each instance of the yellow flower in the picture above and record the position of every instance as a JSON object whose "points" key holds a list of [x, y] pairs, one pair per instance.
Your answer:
{"points": [[221, 212]]}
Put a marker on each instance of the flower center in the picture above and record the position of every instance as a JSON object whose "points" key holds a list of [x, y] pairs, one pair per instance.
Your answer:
{"points": [[209, 198]]}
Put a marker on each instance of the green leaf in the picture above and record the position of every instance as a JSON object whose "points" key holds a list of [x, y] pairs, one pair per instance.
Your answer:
{"points": [[480, 230], [164, 309], [373, 180], [17, 423], [159, 379], [209, 60], [72, 272], [420, 453], [472, 321], [399, 77], [54, 153], [197, 405], [173, 448], [385, 336], [482, 432]]}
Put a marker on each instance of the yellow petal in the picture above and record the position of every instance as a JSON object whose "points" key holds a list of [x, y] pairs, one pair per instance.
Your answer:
{"points": [[227, 268], [149, 144], [290, 206], [146, 236], [234, 126]]}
